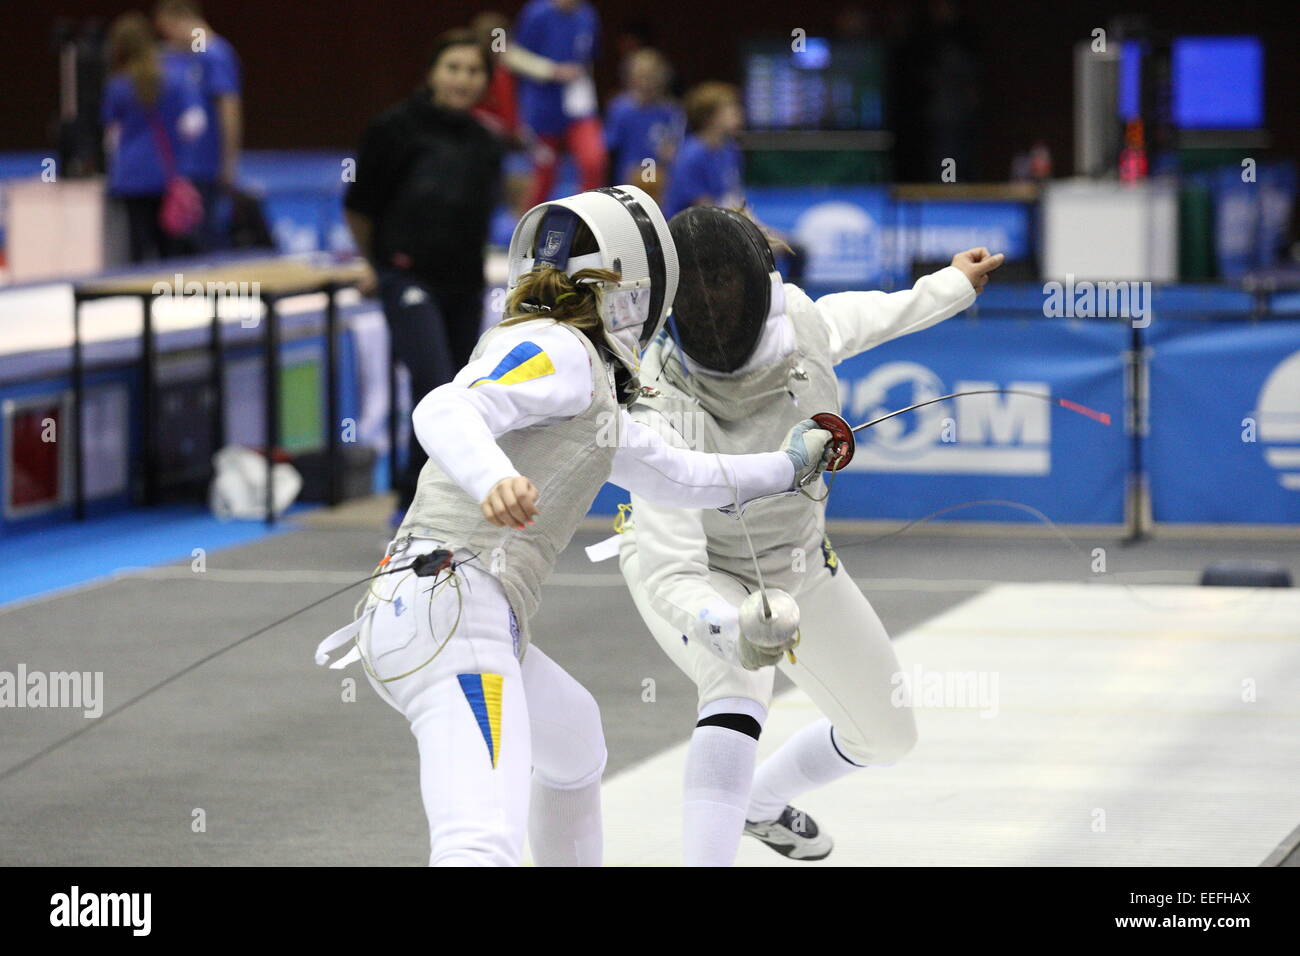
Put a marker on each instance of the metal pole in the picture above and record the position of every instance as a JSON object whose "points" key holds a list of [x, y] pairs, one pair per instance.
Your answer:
{"points": [[331, 394], [217, 371], [78, 397], [1136, 499], [272, 365], [148, 397]]}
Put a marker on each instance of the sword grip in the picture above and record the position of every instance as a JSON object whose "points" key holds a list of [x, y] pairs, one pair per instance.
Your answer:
{"points": [[842, 440]]}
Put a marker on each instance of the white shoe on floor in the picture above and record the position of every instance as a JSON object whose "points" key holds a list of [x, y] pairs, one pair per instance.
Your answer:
{"points": [[793, 834]]}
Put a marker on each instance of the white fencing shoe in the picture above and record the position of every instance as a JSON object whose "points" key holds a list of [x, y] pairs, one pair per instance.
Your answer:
{"points": [[793, 834]]}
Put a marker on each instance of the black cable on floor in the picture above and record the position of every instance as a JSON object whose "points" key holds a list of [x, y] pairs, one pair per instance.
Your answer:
{"points": [[45, 752]]}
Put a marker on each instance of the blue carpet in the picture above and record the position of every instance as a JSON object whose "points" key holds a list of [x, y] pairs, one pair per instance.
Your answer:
{"points": [[63, 555]]}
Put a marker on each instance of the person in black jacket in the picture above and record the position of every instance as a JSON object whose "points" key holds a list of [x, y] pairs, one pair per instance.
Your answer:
{"points": [[427, 180]]}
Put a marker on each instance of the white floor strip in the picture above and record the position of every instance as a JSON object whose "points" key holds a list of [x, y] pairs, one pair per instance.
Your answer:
{"points": [[183, 572], [559, 579], [1153, 729]]}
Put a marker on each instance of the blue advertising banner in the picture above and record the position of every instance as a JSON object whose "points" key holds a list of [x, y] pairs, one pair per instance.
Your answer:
{"points": [[1011, 447], [933, 231], [844, 232], [854, 237], [1224, 438]]}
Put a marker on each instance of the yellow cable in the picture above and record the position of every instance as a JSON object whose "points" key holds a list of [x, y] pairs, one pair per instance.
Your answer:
{"points": [[620, 519]]}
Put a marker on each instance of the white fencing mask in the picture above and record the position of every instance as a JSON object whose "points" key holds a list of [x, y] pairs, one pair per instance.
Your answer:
{"points": [[632, 240]]}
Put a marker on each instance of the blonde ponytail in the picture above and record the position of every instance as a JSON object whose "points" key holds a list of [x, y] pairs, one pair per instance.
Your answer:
{"points": [[549, 293]]}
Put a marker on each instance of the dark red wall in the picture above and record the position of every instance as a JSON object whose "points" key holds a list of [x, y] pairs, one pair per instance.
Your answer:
{"points": [[315, 72]]}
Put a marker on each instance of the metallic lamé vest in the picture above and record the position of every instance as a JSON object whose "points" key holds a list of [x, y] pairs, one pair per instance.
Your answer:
{"points": [[567, 461]]}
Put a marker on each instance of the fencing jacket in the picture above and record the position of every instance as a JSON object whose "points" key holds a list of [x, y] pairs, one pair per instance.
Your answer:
{"points": [[790, 377], [537, 399]]}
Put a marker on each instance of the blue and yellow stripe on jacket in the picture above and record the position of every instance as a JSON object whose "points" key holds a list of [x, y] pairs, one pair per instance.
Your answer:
{"points": [[523, 362], [483, 691]]}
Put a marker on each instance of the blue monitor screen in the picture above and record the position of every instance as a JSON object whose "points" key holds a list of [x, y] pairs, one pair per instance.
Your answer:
{"points": [[1130, 80], [1218, 82], [816, 54]]}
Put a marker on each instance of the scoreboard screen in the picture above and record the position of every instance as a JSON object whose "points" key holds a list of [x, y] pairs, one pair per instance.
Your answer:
{"points": [[814, 84]]}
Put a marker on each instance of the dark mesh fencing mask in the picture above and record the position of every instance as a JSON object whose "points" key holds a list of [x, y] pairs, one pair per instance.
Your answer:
{"points": [[724, 292]]}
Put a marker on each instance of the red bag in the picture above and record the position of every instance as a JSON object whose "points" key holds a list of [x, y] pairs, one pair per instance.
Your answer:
{"points": [[182, 206]]}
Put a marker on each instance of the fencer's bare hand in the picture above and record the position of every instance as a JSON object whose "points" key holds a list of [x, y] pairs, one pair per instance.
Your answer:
{"points": [[976, 264], [512, 503], [567, 72]]}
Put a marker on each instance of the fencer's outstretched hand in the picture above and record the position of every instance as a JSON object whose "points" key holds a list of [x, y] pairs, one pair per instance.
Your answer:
{"points": [[805, 444], [976, 264], [511, 503]]}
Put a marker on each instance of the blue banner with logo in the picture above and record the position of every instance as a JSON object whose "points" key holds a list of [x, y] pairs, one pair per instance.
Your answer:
{"points": [[1007, 447], [856, 237], [1223, 442]]}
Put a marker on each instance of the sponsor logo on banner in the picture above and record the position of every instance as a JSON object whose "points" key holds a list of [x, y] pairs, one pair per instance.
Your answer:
{"points": [[841, 240], [972, 435], [1279, 421], [845, 244]]}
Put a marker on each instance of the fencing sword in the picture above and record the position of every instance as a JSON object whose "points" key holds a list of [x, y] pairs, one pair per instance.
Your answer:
{"points": [[842, 434], [769, 617]]}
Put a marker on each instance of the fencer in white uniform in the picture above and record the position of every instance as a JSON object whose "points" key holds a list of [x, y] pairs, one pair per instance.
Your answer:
{"points": [[519, 443], [743, 357]]}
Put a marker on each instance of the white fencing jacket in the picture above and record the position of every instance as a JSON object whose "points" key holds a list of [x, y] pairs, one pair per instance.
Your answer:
{"points": [[671, 542]]}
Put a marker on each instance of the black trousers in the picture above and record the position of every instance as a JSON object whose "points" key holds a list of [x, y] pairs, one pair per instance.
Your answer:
{"points": [[433, 330], [147, 239]]}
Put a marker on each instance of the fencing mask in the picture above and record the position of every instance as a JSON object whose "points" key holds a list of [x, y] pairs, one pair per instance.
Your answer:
{"points": [[619, 228], [728, 287]]}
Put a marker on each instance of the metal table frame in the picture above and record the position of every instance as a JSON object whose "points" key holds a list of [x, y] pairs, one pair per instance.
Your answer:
{"points": [[89, 292]]}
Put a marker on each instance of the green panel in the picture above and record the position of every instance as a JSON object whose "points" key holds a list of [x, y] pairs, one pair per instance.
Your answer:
{"points": [[1196, 261], [793, 167], [302, 407], [1201, 158]]}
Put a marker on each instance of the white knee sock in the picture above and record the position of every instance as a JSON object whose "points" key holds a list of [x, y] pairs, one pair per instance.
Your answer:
{"points": [[564, 826], [807, 760], [719, 771]]}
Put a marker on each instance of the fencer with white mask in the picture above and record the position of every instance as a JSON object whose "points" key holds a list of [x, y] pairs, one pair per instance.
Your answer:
{"points": [[743, 357], [519, 444]]}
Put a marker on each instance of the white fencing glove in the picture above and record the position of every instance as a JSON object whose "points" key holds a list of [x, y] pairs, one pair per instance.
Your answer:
{"points": [[753, 657], [769, 628], [805, 444]]}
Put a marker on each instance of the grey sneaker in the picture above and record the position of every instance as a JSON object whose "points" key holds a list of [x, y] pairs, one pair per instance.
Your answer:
{"points": [[793, 834]]}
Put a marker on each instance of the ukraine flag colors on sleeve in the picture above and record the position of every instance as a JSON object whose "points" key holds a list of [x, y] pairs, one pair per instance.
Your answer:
{"points": [[483, 691], [522, 363]]}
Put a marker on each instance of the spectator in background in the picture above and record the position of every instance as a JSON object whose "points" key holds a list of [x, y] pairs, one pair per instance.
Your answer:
{"points": [[644, 123], [707, 171], [499, 112], [427, 180], [144, 101], [499, 108], [211, 159], [551, 52]]}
